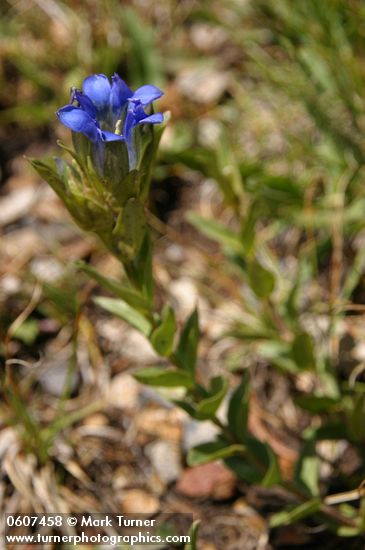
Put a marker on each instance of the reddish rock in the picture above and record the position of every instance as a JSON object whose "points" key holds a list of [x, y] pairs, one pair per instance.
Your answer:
{"points": [[212, 480]]}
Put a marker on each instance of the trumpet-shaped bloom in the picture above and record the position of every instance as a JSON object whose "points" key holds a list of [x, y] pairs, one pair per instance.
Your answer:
{"points": [[102, 108]]}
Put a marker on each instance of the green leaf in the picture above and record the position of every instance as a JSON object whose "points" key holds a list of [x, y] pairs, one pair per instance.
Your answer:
{"points": [[286, 517], [243, 469], [336, 430], [273, 474], [248, 229], [121, 309], [156, 376], [307, 469], [238, 409], [186, 353], [139, 269], [344, 531], [245, 331], [131, 228], [50, 175], [63, 300], [217, 232], [126, 293], [187, 407], [215, 450], [162, 338], [193, 534], [228, 176], [303, 351], [260, 466], [355, 417], [278, 353], [27, 332], [303, 273], [144, 64], [355, 273], [260, 279], [208, 406], [317, 404]]}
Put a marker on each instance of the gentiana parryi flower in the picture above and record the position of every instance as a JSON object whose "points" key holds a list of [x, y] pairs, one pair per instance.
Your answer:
{"points": [[106, 112]]}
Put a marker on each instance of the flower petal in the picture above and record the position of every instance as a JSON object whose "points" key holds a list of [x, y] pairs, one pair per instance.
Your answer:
{"points": [[98, 88], [147, 94], [120, 92], [156, 118], [79, 121], [109, 136], [131, 120], [85, 102]]}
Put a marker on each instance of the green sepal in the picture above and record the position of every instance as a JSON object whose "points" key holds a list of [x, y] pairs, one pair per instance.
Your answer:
{"points": [[116, 167], [127, 188], [87, 211], [93, 216], [82, 146]]}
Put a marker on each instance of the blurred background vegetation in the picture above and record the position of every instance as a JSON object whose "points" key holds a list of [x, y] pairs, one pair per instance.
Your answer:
{"points": [[260, 181]]}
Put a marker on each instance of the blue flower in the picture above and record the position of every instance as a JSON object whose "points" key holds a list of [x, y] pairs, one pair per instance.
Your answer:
{"points": [[103, 109]]}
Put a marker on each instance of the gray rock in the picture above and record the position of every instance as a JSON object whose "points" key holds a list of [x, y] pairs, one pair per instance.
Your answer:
{"points": [[196, 433], [55, 374], [165, 458]]}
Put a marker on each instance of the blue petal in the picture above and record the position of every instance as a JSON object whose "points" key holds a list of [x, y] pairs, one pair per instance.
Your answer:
{"points": [[136, 115], [131, 120], [120, 92], [85, 102], [79, 121], [109, 136], [147, 94], [97, 87], [152, 119]]}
